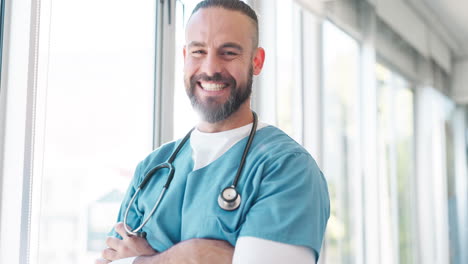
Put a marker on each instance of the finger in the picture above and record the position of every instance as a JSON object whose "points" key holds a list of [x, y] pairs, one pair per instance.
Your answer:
{"points": [[119, 228], [101, 261], [113, 242], [109, 254]]}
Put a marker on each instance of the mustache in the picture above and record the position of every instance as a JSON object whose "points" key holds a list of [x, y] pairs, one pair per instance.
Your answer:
{"points": [[217, 77]]}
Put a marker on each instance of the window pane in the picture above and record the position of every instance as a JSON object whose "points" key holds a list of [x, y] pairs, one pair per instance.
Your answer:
{"points": [[98, 122], [184, 116], [285, 66], [454, 181], [385, 169], [404, 157], [396, 172], [341, 75]]}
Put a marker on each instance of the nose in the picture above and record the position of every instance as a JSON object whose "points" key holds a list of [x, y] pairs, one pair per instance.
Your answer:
{"points": [[211, 65]]}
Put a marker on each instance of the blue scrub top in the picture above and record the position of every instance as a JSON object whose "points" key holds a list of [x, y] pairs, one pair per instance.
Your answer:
{"points": [[284, 195]]}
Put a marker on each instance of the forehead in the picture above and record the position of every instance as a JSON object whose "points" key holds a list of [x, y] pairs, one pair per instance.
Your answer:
{"points": [[215, 25]]}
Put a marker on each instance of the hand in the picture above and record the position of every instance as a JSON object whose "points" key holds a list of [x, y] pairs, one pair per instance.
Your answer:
{"points": [[128, 246], [102, 261]]}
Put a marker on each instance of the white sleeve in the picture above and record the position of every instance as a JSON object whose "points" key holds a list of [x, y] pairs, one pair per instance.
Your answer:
{"points": [[253, 250], [124, 261]]}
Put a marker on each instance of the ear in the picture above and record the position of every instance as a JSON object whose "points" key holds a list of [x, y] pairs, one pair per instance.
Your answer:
{"points": [[185, 51], [257, 61]]}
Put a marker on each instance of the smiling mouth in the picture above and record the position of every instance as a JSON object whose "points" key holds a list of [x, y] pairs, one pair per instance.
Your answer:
{"points": [[212, 87]]}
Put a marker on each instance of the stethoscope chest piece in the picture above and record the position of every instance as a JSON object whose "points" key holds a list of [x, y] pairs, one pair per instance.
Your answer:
{"points": [[229, 199]]}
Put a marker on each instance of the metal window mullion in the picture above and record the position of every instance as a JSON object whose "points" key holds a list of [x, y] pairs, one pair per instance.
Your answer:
{"points": [[415, 218], [2, 23], [157, 75], [394, 167], [369, 134], [168, 62], [2, 98], [164, 69], [26, 209], [298, 94]]}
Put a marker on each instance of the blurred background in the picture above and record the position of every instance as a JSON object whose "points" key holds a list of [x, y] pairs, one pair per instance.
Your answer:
{"points": [[376, 90]]}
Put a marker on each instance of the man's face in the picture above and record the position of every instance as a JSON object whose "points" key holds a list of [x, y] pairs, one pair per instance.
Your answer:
{"points": [[219, 62]]}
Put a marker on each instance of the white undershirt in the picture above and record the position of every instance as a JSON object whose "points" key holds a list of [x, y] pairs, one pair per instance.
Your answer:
{"points": [[254, 250], [206, 148]]}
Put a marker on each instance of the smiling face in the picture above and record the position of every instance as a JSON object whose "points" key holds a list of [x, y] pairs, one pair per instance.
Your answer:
{"points": [[220, 60]]}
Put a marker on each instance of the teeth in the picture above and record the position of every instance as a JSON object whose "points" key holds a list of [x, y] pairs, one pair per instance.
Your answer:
{"points": [[212, 86]]}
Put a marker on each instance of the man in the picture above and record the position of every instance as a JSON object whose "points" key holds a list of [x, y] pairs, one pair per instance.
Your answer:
{"points": [[284, 205]]}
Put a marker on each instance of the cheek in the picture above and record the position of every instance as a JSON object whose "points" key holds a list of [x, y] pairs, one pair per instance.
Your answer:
{"points": [[240, 74], [190, 66]]}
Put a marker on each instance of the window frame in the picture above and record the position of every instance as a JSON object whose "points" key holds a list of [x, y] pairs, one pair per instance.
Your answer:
{"points": [[18, 84], [164, 77], [2, 23], [395, 78], [18, 102], [356, 177], [2, 97]]}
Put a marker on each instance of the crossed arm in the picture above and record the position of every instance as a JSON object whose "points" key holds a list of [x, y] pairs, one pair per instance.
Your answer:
{"points": [[194, 251], [191, 251]]}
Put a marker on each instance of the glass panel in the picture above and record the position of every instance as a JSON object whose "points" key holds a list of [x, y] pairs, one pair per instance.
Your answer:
{"points": [[341, 75], [455, 182], [285, 66], [404, 140], [184, 116], [396, 158], [385, 169], [98, 122], [452, 195]]}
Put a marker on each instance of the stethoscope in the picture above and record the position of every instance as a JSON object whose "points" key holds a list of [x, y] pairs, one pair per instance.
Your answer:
{"points": [[229, 199]]}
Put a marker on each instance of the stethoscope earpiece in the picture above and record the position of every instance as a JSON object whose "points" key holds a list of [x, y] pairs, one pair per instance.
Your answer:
{"points": [[229, 199]]}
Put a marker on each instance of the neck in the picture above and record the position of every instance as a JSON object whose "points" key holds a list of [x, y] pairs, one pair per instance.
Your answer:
{"points": [[241, 117]]}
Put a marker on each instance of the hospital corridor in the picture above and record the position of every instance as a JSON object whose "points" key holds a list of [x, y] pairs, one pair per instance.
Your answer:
{"points": [[375, 90]]}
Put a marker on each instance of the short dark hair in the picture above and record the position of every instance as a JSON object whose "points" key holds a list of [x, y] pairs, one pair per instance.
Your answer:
{"points": [[234, 5]]}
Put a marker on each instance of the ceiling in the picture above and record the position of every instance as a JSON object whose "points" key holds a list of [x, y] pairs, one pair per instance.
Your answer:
{"points": [[453, 17]]}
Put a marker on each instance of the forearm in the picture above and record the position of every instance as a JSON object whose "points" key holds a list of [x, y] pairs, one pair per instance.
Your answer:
{"points": [[193, 251]]}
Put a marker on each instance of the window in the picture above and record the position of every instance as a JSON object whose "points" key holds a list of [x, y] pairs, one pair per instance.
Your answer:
{"points": [[454, 237], [340, 148], [288, 69], [94, 121], [395, 136], [184, 116]]}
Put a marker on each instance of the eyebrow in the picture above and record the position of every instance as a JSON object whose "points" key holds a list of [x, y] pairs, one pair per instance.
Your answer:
{"points": [[196, 44], [231, 45]]}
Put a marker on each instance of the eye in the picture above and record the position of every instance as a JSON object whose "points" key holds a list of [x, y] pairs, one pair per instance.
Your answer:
{"points": [[198, 52], [230, 53]]}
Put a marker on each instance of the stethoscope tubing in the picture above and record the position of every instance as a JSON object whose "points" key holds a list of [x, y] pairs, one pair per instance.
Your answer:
{"points": [[224, 204], [135, 231], [246, 150]]}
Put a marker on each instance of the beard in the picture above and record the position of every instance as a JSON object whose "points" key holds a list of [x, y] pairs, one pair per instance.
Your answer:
{"points": [[210, 110]]}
